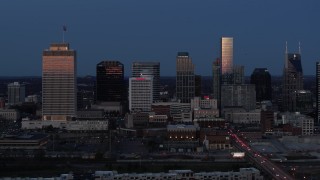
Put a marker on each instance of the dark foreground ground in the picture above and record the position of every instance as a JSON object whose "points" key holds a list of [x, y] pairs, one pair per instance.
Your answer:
{"points": [[54, 167]]}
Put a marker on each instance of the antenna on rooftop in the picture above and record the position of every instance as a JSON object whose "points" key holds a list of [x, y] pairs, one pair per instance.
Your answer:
{"points": [[64, 29]]}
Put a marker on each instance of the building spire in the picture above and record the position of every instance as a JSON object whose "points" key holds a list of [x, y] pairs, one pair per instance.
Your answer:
{"points": [[286, 47], [299, 48]]}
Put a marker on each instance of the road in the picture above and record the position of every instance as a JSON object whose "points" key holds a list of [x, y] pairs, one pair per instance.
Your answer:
{"points": [[260, 161]]}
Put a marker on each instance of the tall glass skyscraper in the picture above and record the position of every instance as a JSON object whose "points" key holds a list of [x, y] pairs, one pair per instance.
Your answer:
{"points": [[110, 86], [292, 80], [318, 92], [226, 55], [149, 69], [262, 79], [185, 79], [59, 82]]}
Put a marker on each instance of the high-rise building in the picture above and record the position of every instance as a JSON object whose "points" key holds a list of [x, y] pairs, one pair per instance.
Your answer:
{"points": [[110, 86], [226, 55], [140, 93], [197, 85], [318, 92], [216, 75], [292, 80], [185, 79], [238, 95], [261, 78], [303, 101], [238, 74], [149, 69], [59, 82], [16, 93]]}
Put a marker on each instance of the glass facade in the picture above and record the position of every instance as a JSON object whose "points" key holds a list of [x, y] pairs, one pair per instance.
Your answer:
{"points": [[226, 55], [110, 86], [292, 81], [149, 69], [185, 78], [262, 79]]}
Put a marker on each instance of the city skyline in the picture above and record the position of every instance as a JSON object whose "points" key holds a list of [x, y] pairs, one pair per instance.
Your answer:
{"points": [[117, 30]]}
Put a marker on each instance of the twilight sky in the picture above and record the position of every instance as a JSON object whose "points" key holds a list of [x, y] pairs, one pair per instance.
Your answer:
{"points": [[146, 30]]}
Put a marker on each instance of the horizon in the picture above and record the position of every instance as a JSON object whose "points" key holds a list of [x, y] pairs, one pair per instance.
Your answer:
{"points": [[144, 31]]}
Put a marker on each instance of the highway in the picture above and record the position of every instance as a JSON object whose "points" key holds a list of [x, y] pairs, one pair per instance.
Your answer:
{"points": [[260, 161]]}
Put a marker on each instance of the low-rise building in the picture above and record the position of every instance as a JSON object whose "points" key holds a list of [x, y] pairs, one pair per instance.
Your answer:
{"points": [[210, 122], [243, 173], [296, 119], [83, 125], [213, 139], [10, 114], [24, 142], [242, 116], [182, 138]]}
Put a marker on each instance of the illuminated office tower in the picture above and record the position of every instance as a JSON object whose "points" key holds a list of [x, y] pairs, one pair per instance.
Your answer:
{"points": [[292, 80], [185, 78], [59, 69], [226, 55], [110, 86], [149, 69]]}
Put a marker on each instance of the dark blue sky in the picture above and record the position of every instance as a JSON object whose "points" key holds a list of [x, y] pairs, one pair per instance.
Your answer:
{"points": [[128, 30]]}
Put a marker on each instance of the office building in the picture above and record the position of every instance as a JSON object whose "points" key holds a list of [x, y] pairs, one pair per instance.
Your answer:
{"points": [[185, 79], [237, 75], [16, 93], [149, 69], [216, 75], [110, 86], [243, 95], [261, 78], [317, 93], [226, 55], [59, 80], [303, 101], [140, 94], [292, 80]]}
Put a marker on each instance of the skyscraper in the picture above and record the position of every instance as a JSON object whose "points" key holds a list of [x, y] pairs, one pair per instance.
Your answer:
{"points": [[140, 93], [216, 73], [185, 79], [149, 69], [226, 55], [241, 95], [237, 75], [318, 92], [16, 93], [110, 86], [59, 70], [197, 85], [292, 80], [262, 79]]}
